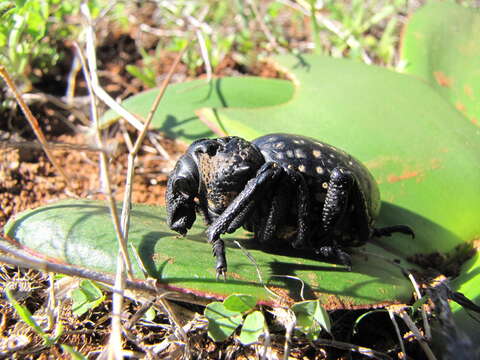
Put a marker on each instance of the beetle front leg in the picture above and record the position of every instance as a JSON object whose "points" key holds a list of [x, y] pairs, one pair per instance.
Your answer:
{"points": [[267, 174]]}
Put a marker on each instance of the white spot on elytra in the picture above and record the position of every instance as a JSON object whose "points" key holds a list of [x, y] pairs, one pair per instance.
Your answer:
{"points": [[325, 185], [290, 153], [319, 170], [300, 154], [302, 168], [278, 156], [290, 166], [279, 145], [317, 153]]}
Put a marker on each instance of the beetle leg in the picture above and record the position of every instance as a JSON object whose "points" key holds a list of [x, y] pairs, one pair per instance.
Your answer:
{"points": [[267, 173], [240, 219], [336, 200], [389, 230], [267, 225], [334, 251], [302, 210]]}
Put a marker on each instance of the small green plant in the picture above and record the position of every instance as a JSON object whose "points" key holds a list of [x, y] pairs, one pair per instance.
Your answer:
{"points": [[146, 73], [75, 355], [237, 310], [27, 317], [23, 35], [311, 318], [86, 297], [225, 317], [359, 30]]}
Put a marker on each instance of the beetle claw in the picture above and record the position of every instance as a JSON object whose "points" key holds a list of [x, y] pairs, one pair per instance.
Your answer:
{"points": [[221, 272], [389, 230]]}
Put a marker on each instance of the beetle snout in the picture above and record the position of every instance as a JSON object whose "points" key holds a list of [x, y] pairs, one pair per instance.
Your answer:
{"points": [[180, 216]]}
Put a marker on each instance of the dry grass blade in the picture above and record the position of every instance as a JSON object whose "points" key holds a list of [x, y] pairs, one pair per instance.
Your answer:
{"points": [[90, 76], [413, 328], [391, 314], [354, 348], [33, 123], [418, 295], [115, 348]]}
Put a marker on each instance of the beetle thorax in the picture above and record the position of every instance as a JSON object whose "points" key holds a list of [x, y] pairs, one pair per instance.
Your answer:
{"points": [[224, 174]]}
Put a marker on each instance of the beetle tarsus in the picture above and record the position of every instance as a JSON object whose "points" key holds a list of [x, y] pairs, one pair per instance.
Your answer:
{"points": [[221, 274], [335, 252], [218, 250], [389, 230]]}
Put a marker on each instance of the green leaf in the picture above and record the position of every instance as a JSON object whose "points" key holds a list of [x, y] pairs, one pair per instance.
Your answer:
{"points": [[399, 127], [150, 314], [27, 317], [176, 115], [311, 318], [81, 233], [240, 302], [146, 75], [221, 321], [440, 45], [24, 313], [75, 355], [252, 328], [88, 296]]}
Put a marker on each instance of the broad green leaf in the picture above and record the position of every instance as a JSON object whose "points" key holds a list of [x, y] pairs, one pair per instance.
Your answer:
{"points": [[311, 318], [240, 302], [414, 142], [176, 114], [468, 283], [221, 321], [81, 233], [441, 46], [253, 326]]}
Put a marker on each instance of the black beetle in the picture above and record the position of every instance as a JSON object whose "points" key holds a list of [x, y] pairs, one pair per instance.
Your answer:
{"points": [[282, 187]]}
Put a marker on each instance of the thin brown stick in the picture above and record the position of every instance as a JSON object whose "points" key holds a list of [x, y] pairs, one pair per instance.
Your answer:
{"points": [[5, 144], [24, 260], [33, 123]]}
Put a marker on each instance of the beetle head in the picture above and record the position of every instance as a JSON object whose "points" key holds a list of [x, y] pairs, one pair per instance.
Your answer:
{"points": [[182, 187]]}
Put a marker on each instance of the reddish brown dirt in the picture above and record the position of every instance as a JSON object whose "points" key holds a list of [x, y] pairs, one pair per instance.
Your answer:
{"points": [[27, 183]]}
